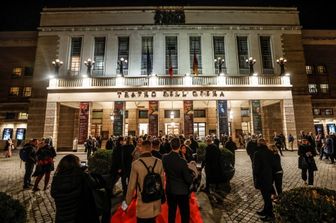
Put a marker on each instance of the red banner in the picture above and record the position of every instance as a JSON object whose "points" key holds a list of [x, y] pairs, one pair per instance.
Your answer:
{"points": [[188, 118], [84, 110], [153, 118]]}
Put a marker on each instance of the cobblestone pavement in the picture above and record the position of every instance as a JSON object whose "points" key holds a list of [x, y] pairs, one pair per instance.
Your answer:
{"points": [[238, 206]]}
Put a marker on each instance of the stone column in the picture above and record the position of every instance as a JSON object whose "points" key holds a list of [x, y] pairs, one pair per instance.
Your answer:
{"points": [[289, 126], [51, 121]]}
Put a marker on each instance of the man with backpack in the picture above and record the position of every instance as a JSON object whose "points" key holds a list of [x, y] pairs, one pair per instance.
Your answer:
{"points": [[179, 179], [147, 179], [28, 155]]}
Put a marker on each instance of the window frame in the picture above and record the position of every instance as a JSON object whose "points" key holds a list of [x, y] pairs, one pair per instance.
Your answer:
{"points": [[99, 56], [241, 56], [266, 59], [75, 59], [219, 51], [195, 46], [173, 54]]}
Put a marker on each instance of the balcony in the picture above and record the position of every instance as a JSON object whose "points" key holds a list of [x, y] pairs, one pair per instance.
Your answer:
{"points": [[168, 82]]}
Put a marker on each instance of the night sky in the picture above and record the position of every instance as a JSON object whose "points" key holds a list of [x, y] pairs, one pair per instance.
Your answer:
{"points": [[22, 15]]}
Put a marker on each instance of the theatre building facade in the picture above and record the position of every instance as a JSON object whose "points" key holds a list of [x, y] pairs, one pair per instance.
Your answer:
{"points": [[168, 70]]}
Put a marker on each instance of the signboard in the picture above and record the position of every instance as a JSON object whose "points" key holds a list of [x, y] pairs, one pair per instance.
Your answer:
{"points": [[7, 133], [20, 134], [256, 117], [153, 118], [223, 122], [118, 122], [188, 118], [84, 111]]}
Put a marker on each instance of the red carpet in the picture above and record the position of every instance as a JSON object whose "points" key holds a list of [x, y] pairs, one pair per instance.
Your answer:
{"points": [[130, 216]]}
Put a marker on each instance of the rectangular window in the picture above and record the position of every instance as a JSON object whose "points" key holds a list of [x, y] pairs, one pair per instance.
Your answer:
{"points": [[199, 129], [327, 111], [195, 50], [171, 54], [23, 116], [75, 55], [199, 113], [10, 115], [316, 111], [266, 54], [242, 54], [147, 55], [17, 72], [143, 113], [321, 69], [172, 113], [309, 69], [99, 56], [244, 112], [14, 91], [312, 88], [27, 91], [123, 52], [219, 53], [324, 88]]}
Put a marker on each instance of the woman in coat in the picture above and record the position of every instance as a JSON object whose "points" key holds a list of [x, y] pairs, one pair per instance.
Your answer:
{"points": [[306, 161]]}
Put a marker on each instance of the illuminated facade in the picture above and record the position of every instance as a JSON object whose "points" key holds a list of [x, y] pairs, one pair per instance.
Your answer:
{"points": [[148, 70]]}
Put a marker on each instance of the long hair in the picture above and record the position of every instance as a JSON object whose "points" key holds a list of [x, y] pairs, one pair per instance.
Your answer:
{"points": [[68, 163]]}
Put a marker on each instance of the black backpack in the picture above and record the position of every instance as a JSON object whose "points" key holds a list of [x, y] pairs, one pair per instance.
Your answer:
{"points": [[152, 188], [24, 153]]}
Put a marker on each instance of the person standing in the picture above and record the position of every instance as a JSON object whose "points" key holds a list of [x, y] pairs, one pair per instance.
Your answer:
{"points": [[8, 148], [89, 146], [278, 142], [277, 171], [178, 181], [306, 161], [252, 147], [30, 150], [126, 163], [291, 141], [263, 178], [146, 212], [156, 149], [194, 144]]}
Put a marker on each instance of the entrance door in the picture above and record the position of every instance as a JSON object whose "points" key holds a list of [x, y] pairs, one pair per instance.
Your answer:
{"points": [[199, 129], [172, 128], [143, 128]]}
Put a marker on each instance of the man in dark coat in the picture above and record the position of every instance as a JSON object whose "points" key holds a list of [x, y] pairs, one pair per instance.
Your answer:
{"points": [[263, 179], [194, 144], [252, 147], [179, 179], [110, 144], [30, 162]]}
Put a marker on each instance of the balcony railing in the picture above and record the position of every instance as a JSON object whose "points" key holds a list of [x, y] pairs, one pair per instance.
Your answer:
{"points": [[166, 81]]}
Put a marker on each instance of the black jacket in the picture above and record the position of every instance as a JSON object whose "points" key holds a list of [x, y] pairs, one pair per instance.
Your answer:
{"points": [[263, 166], [73, 198], [178, 175], [194, 146], [30, 152], [231, 145], [212, 164], [251, 148]]}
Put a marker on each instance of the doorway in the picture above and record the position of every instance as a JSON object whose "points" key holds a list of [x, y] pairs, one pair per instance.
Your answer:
{"points": [[172, 128], [143, 128]]}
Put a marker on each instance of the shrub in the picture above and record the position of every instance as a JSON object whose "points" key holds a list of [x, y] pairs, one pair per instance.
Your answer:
{"points": [[11, 210], [100, 162], [201, 151], [307, 204]]}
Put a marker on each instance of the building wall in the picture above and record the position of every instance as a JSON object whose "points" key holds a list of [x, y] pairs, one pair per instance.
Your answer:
{"points": [[272, 121], [66, 127]]}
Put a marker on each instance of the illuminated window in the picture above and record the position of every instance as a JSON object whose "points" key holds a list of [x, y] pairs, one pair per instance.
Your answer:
{"points": [[199, 113], [143, 113], [266, 54], [17, 72], [147, 55], [171, 54], [27, 91], [312, 88], [324, 88], [309, 69], [172, 113], [219, 51], [195, 49], [99, 56], [23, 116], [75, 59], [14, 91], [123, 51], [242, 54], [321, 69]]}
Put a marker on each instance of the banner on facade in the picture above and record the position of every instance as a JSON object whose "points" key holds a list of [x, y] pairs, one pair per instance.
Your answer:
{"points": [[153, 118], [256, 117], [118, 121], [84, 111], [188, 118], [223, 122]]}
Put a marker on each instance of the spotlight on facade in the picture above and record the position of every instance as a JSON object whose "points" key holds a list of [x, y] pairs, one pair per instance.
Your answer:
{"points": [[282, 61], [51, 76], [112, 116], [219, 62], [57, 63], [250, 61], [172, 115], [121, 63], [89, 64]]}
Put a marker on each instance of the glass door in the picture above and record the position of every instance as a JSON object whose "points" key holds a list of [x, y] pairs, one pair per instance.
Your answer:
{"points": [[172, 128], [199, 129]]}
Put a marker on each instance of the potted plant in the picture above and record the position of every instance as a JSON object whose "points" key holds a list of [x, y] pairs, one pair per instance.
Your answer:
{"points": [[11, 210]]}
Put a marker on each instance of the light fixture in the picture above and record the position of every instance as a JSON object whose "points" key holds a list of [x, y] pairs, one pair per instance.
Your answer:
{"points": [[57, 63], [219, 62], [250, 61], [89, 64], [282, 61], [121, 65], [172, 115], [112, 116]]}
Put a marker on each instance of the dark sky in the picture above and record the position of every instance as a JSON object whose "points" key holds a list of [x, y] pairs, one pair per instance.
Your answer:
{"points": [[24, 14]]}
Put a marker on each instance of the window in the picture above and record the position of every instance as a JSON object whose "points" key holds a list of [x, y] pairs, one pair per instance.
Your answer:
{"points": [[195, 50], [176, 113], [312, 88], [324, 88], [143, 113], [199, 113], [266, 54], [23, 116], [219, 52], [316, 111], [171, 54], [309, 69], [27, 91], [75, 59], [126, 114], [17, 72], [147, 55], [14, 91], [242, 54], [244, 112], [28, 71], [123, 50], [10, 115], [321, 69], [199, 129], [99, 56], [327, 111]]}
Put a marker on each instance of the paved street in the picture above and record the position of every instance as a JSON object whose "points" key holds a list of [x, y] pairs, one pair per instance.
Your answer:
{"points": [[238, 206]]}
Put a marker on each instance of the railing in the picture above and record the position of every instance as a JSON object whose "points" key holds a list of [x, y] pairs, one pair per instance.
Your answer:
{"points": [[187, 81]]}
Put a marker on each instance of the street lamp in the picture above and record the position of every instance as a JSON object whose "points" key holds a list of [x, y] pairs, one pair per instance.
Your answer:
{"points": [[282, 61], [89, 64], [121, 65], [250, 61], [57, 64], [219, 62]]}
